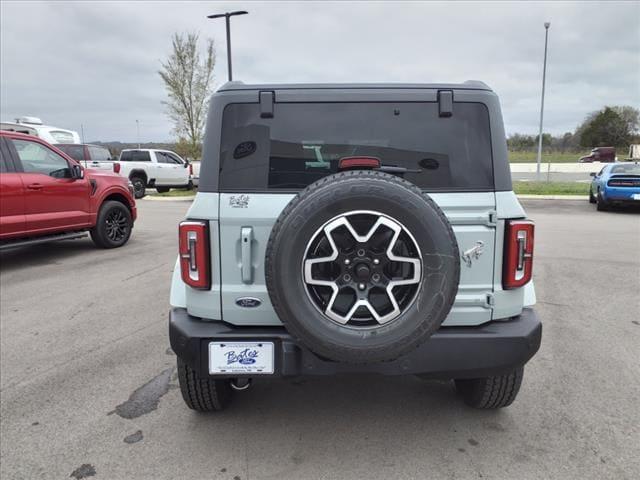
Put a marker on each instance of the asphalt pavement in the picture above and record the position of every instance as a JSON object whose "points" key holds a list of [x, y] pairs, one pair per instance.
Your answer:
{"points": [[88, 386]]}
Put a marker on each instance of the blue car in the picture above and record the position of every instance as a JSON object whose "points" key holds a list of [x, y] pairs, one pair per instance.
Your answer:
{"points": [[616, 184]]}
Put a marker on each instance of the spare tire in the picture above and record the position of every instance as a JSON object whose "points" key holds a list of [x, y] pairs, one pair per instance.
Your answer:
{"points": [[362, 267]]}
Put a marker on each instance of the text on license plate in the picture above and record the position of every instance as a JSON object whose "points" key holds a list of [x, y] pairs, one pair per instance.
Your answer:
{"points": [[241, 357]]}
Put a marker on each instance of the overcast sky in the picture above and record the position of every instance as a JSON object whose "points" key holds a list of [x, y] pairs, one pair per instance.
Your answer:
{"points": [[95, 63]]}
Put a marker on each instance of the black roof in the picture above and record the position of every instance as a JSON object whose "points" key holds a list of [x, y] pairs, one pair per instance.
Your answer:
{"points": [[467, 85]]}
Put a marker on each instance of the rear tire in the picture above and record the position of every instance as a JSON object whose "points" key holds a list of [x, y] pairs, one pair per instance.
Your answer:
{"points": [[491, 392], [592, 199], [162, 189], [113, 227], [139, 187], [602, 205], [203, 394]]}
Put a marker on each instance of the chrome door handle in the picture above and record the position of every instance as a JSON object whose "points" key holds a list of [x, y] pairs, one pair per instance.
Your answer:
{"points": [[246, 238]]}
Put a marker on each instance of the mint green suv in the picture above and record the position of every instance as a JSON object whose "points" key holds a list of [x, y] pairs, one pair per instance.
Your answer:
{"points": [[354, 229]]}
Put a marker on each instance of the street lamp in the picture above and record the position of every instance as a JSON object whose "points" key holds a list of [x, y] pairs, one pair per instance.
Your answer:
{"points": [[544, 76], [227, 16]]}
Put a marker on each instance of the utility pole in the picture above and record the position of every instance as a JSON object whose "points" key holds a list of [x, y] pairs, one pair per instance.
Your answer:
{"points": [[227, 17], [544, 77], [138, 132], [82, 132]]}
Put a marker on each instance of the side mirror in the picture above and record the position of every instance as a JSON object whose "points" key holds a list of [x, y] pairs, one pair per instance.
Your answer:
{"points": [[592, 174], [77, 172]]}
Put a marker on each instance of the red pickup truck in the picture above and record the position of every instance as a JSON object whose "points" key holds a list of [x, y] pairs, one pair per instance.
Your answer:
{"points": [[45, 195]]}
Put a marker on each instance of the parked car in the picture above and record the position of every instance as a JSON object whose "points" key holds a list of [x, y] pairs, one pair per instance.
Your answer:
{"points": [[616, 184], [150, 168], [634, 152], [34, 126], [90, 156], [354, 229], [47, 196], [600, 154]]}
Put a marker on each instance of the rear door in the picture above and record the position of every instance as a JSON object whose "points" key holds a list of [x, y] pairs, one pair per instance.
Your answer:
{"points": [[53, 200], [12, 218], [171, 169], [266, 160]]}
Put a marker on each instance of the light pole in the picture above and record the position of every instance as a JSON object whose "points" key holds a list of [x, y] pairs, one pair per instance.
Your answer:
{"points": [[227, 16], [138, 132], [544, 77]]}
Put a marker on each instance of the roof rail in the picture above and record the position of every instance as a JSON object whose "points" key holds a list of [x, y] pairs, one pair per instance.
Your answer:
{"points": [[477, 83]]}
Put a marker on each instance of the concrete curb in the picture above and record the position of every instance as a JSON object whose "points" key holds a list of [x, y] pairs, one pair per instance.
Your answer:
{"points": [[167, 199], [552, 197]]}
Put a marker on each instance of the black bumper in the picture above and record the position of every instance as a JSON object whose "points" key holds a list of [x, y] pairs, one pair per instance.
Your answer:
{"points": [[452, 352]]}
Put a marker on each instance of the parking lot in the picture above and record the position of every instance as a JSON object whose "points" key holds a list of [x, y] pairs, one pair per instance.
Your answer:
{"points": [[88, 384]]}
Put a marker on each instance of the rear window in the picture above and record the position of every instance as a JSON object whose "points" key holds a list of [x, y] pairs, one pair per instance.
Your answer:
{"points": [[74, 151], [61, 136], [134, 156], [304, 142]]}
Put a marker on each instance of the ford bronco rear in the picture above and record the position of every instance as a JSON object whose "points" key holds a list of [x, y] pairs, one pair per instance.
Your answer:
{"points": [[354, 229]]}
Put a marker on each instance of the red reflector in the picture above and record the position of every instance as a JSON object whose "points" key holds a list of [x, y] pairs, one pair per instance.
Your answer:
{"points": [[518, 254], [346, 163], [116, 167], [194, 254]]}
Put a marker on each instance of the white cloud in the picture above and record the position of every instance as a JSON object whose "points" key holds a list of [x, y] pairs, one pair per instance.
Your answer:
{"points": [[96, 63]]}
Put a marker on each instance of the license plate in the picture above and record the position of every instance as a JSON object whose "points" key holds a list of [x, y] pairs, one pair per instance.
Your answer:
{"points": [[636, 196], [227, 358]]}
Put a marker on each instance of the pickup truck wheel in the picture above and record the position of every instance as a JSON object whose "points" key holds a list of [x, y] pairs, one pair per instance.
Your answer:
{"points": [[139, 187], [113, 227], [203, 394], [162, 189], [491, 392], [362, 267]]}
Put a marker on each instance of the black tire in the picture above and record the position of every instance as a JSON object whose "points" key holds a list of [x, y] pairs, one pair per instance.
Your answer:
{"points": [[390, 197], [203, 394], [491, 392], [162, 189], [114, 225], [139, 187], [601, 204], [592, 199]]}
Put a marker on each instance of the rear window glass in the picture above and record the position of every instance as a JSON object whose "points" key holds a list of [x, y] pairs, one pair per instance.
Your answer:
{"points": [[135, 156], [74, 151], [304, 142]]}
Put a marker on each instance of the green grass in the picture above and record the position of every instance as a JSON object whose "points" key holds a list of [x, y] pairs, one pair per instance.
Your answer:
{"points": [[174, 192], [551, 188], [532, 157]]}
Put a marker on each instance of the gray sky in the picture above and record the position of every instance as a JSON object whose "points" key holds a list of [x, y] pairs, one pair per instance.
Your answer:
{"points": [[96, 63]]}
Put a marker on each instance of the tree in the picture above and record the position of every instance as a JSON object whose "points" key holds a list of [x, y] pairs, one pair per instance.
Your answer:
{"points": [[611, 126], [188, 75]]}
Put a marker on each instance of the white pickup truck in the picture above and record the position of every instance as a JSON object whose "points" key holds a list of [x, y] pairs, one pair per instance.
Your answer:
{"points": [[159, 169]]}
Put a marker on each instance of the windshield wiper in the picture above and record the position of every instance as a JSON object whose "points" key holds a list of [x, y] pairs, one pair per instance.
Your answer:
{"points": [[400, 170]]}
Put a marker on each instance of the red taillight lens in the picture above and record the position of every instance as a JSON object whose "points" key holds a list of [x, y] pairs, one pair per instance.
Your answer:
{"points": [[347, 163], [116, 167], [194, 254], [518, 254], [190, 169]]}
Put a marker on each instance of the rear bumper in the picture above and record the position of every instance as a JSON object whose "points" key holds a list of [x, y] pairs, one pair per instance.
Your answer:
{"points": [[452, 352], [621, 194]]}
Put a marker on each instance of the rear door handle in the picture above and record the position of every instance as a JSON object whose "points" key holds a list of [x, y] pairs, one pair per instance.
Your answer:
{"points": [[35, 186], [246, 237]]}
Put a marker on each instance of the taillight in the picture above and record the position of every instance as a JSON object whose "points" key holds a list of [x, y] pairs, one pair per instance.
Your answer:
{"points": [[116, 167], [518, 254], [347, 163], [194, 254], [190, 169]]}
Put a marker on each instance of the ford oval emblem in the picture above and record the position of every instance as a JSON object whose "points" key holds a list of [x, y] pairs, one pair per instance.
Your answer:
{"points": [[244, 149], [248, 302]]}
